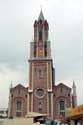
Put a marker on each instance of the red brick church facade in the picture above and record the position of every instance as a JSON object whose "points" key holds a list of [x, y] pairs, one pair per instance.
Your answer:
{"points": [[42, 95]]}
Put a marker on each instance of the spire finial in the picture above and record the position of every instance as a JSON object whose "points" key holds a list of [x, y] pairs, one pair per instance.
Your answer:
{"points": [[41, 7]]}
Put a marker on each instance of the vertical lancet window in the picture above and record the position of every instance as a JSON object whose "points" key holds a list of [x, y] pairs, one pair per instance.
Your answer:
{"points": [[62, 107], [18, 105], [34, 49], [18, 108], [40, 107], [40, 73], [45, 49], [40, 35]]}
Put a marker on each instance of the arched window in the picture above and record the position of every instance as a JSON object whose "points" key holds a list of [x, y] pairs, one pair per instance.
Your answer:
{"points": [[40, 73], [62, 107], [40, 35], [39, 107], [34, 49], [45, 49], [18, 105]]}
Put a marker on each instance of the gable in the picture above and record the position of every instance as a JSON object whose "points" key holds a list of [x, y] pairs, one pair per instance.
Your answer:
{"points": [[63, 86], [19, 86]]}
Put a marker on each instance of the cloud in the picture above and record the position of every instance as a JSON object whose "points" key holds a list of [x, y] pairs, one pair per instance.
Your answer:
{"points": [[7, 74], [16, 31]]}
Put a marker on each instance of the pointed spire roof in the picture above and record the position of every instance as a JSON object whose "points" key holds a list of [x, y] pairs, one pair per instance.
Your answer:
{"points": [[11, 85], [74, 86], [41, 17]]}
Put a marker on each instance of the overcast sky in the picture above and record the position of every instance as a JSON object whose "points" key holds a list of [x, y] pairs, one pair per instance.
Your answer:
{"points": [[65, 19]]}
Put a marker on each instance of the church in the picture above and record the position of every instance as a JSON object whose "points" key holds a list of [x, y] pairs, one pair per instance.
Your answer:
{"points": [[42, 95]]}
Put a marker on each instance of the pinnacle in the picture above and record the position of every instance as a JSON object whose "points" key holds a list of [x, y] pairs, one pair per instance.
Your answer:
{"points": [[74, 86]]}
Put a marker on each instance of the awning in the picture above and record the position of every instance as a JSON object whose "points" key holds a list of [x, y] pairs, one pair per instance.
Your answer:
{"points": [[35, 114], [76, 117]]}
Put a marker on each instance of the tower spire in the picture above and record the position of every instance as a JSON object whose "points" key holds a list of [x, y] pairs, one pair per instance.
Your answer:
{"points": [[41, 17], [74, 95], [11, 85], [74, 88]]}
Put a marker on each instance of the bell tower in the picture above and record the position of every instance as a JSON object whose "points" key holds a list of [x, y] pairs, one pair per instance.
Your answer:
{"points": [[40, 93]]}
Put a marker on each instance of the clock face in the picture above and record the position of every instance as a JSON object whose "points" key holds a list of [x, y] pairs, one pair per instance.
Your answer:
{"points": [[40, 92]]}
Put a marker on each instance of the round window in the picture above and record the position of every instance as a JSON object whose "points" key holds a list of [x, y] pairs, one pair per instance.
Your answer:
{"points": [[39, 92]]}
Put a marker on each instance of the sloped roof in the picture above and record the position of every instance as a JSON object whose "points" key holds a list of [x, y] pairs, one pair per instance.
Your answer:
{"points": [[62, 84], [19, 86]]}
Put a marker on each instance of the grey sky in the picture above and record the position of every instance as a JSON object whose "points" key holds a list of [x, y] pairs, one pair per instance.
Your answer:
{"points": [[65, 19]]}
